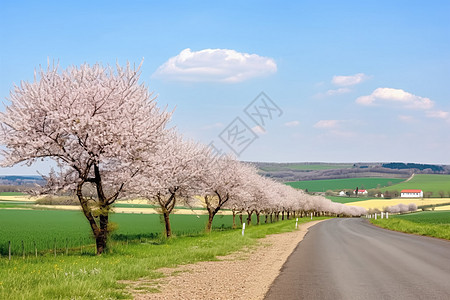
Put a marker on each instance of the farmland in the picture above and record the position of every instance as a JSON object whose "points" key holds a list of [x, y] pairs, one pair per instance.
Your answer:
{"points": [[426, 182], [61, 277], [70, 229], [340, 184], [381, 203], [427, 217], [429, 223], [344, 199]]}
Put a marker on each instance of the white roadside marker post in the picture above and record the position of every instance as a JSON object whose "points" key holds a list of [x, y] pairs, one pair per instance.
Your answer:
{"points": [[243, 228], [296, 223], [311, 216], [382, 215], [387, 215], [375, 216]]}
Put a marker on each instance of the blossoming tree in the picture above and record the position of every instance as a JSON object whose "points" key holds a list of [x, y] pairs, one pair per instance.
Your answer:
{"points": [[174, 174], [96, 122]]}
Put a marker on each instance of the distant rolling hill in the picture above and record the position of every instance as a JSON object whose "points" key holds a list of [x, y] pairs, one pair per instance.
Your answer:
{"points": [[21, 180], [318, 171]]}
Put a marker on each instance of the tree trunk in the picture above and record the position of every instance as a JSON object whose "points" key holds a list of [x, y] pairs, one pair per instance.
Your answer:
{"points": [[102, 234], [234, 219], [287, 216], [282, 215], [249, 218], [167, 223], [212, 211], [257, 218], [210, 220], [240, 218], [271, 217], [266, 218]]}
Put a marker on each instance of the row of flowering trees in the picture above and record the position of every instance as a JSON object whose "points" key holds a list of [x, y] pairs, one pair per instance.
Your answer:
{"points": [[110, 139]]}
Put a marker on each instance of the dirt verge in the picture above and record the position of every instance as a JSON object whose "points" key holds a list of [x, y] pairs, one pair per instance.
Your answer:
{"points": [[246, 274]]}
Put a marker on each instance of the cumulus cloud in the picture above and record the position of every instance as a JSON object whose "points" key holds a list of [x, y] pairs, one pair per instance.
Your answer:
{"points": [[349, 80], [398, 96], [338, 91], [259, 130], [438, 114], [292, 124], [215, 65], [327, 124]]}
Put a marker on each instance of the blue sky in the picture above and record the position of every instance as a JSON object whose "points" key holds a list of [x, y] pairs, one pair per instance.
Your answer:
{"points": [[356, 81]]}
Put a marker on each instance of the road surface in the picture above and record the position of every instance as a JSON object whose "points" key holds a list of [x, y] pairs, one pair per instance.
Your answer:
{"points": [[352, 259]]}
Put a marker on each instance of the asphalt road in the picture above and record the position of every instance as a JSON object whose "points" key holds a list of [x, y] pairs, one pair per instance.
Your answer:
{"points": [[351, 259]]}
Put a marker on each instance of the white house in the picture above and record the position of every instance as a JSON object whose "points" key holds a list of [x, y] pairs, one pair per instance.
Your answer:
{"points": [[361, 192], [411, 194]]}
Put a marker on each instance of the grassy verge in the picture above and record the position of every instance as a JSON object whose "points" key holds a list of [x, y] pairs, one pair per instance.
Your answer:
{"points": [[434, 224], [92, 277]]}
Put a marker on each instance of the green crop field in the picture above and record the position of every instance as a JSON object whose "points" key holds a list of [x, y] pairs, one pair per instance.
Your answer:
{"points": [[12, 194], [339, 184], [429, 223], [343, 200], [427, 183], [132, 205], [88, 276], [70, 228], [427, 217]]}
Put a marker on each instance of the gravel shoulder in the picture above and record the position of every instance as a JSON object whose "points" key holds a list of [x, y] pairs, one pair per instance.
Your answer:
{"points": [[245, 274]]}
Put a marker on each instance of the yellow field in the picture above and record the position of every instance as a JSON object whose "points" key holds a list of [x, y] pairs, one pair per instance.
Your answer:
{"points": [[381, 203], [447, 207], [24, 198]]}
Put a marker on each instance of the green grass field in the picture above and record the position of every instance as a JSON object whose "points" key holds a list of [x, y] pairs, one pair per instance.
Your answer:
{"points": [[344, 200], [429, 223], [97, 277], [427, 183], [339, 184], [427, 217], [70, 228], [153, 206], [12, 194]]}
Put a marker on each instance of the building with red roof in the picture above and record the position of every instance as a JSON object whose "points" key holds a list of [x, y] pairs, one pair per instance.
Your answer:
{"points": [[411, 194]]}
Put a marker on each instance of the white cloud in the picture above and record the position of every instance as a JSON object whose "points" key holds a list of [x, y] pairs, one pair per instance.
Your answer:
{"points": [[338, 91], [327, 124], [438, 114], [215, 65], [349, 80], [389, 95], [292, 124], [259, 130]]}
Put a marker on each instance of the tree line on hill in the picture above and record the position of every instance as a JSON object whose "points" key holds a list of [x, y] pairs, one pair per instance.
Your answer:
{"points": [[415, 167], [110, 140]]}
